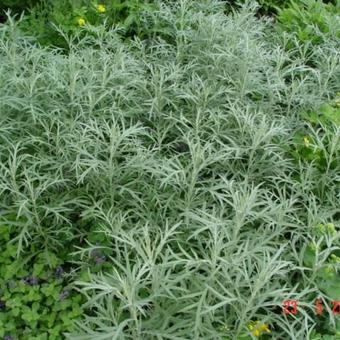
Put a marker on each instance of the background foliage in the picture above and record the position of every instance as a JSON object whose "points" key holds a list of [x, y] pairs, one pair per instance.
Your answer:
{"points": [[42, 20], [310, 20], [35, 300]]}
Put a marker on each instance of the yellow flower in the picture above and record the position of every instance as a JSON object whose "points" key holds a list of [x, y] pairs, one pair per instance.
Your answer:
{"points": [[257, 328], [81, 22], [306, 141], [101, 8], [256, 332]]}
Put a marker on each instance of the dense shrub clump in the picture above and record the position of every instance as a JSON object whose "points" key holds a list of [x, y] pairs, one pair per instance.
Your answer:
{"points": [[190, 180]]}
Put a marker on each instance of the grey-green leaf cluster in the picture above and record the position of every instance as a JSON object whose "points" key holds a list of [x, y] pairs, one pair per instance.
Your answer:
{"points": [[180, 152]]}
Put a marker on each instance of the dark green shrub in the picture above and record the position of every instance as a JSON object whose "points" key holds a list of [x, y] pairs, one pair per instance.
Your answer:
{"points": [[133, 17], [310, 21], [325, 272], [316, 145], [36, 299], [266, 6], [271, 7], [15, 6]]}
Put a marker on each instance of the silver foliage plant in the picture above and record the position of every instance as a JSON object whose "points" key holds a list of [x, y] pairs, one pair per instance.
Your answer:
{"points": [[174, 149]]}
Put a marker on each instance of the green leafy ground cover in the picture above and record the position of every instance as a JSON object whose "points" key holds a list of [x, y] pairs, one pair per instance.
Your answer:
{"points": [[176, 182]]}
